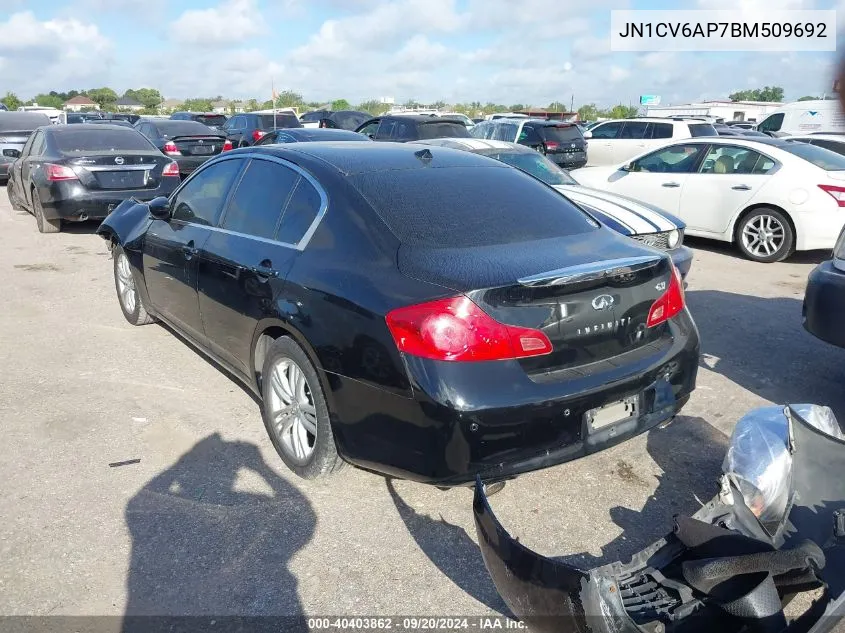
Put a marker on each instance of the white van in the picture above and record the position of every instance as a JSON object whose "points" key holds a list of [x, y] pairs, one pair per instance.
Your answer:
{"points": [[804, 116]]}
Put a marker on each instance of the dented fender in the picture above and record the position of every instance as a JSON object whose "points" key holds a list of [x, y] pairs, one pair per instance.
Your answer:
{"points": [[126, 224]]}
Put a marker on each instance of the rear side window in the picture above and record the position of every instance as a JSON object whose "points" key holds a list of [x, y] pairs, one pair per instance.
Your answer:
{"points": [[405, 131], [661, 130], [702, 129], [460, 207], [634, 130], [444, 130], [561, 133], [257, 204], [71, 140], [300, 213]]}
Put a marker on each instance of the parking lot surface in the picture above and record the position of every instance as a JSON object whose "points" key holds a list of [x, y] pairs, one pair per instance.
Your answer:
{"points": [[139, 479]]}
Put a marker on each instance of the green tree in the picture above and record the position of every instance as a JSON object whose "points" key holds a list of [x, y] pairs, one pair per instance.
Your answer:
{"points": [[411, 103], [103, 97], [516, 107], [588, 112], [288, 99], [373, 106], [252, 105], [620, 111], [48, 101], [767, 93], [809, 98], [198, 104], [149, 97], [11, 101], [341, 104], [438, 105]]}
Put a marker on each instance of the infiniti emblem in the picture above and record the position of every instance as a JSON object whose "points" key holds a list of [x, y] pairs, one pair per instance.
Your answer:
{"points": [[118, 160], [602, 302]]}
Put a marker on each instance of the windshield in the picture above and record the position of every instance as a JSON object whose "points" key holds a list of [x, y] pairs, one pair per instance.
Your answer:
{"points": [[702, 129], [561, 133], [442, 129], [536, 165], [819, 156], [210, 119], [105, 140]]}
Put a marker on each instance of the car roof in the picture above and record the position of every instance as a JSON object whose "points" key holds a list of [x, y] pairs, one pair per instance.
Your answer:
{"points": [[656, 119], [356, 158], [825, 137], [316, 132]]}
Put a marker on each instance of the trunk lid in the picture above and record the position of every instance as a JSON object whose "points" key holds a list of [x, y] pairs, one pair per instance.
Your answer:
{"points": [[199, 145], [592, 308], [118, 170]]}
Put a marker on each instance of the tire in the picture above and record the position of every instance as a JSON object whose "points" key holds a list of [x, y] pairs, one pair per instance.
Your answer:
{"points": [[13, 199], [127, 290], [765, 235], [297, 419], [44, 225]]}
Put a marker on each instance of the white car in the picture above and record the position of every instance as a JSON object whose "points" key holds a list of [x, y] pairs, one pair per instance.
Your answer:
{"points": [[613, 142], [769, 196]]}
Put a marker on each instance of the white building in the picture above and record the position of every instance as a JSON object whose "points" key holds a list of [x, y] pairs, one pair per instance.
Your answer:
{"points": [[728, 110]]}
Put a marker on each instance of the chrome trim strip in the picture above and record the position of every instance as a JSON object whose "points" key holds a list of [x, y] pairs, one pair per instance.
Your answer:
{"points": [[591, 271], [145, 167]]}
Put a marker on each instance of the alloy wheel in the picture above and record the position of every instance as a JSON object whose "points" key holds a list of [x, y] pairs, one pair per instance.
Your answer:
{"points": [[126, 284], [763, 236], [292, 410]]}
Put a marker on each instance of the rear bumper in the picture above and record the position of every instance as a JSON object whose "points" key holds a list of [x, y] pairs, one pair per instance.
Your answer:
{"points": [[824, 304], [682, 258], [818, 228], [568, 161], [492, 419], [70, 201]]}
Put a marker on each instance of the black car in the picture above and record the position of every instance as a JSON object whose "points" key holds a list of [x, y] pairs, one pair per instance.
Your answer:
{"points": [[412, 127], [309, 135], [15, 129], [211, 119], [119, 122], [189, 143], [245, 129], [80, 172], [422, 312], [562, 142], [824, 300], [83, 117], [121, 116], [340, 119]]}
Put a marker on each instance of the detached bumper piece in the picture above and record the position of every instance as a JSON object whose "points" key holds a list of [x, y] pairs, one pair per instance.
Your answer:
{"points": [[721, 570]]}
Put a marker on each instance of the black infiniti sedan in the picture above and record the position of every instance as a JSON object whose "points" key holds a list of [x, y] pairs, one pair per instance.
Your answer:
{"points": [[824, 300], [422, 312], [80, 172]]}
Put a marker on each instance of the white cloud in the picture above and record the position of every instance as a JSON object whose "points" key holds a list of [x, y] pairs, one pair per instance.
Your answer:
{"points": [[225, 25]]}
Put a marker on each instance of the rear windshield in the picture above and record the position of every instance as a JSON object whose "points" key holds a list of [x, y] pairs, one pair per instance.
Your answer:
{"points": [[537, 165], [819, 156], [22, 121], [71, 140], [311, 117], [460, 207], [702, 129], [562, 133], [183, 128], [210, 119], [282, 120], [442, 129]]}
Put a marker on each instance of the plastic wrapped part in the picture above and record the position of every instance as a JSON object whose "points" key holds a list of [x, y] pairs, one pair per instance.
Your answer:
{"points": [[760, 464], [819, 417]]}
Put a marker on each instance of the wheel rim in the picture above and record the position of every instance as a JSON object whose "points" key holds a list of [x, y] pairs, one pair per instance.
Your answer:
{"points": [[763, 236], [125, 284], [292, 411]]}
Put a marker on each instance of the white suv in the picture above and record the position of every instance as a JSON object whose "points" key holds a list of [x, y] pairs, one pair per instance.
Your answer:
{"points": [[614, 142]]}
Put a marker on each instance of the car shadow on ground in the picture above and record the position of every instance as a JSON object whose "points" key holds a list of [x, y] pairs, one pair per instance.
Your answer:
{"points": [[204, 546], [760, 344], [730, 250], [89, 227], [689, 452], [452, 551]]}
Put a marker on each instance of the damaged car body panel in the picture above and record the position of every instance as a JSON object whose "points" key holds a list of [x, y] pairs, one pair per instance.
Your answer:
{"points": [[776, 529], [127, 223]]}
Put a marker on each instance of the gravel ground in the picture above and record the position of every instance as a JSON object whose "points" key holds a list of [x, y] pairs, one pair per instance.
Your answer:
{"points": [[210, 522]]}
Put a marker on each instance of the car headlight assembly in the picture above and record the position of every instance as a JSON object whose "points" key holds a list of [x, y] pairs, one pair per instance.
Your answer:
{"points": [[673, 240]]}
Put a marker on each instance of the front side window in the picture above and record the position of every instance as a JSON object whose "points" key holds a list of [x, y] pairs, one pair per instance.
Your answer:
{"points": [[405, 131], [385, 128], [201, 200], [607, 130], [675, 159], [257, 203], [38, 143], [369, 130]]}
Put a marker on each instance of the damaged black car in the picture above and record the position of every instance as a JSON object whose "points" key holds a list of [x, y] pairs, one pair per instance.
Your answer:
{"points": [[774, 530]]}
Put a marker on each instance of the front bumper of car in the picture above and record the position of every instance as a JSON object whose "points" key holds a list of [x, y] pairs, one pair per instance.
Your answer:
{"points": [[719, 570]]}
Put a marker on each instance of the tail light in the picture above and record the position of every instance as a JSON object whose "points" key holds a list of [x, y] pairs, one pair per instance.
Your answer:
{"points": [[171, 169], [257, 134], [227, 146], [838, 193], [171, 149], [551, 146], [455, 329], [59, 172], [671, 303]]}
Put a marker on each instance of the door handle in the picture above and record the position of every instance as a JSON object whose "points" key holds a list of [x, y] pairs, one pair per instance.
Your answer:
{"points": [[265, 269], [741, 188], [671, 184], [188, 250]]}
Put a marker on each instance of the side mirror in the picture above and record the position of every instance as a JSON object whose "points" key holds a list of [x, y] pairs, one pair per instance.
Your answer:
{"points": [[588, 134], [627, 167], [159, 208], [12, 153]]}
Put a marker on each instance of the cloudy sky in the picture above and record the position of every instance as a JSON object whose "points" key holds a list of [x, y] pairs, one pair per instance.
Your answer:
{"points": [[506, 51]]}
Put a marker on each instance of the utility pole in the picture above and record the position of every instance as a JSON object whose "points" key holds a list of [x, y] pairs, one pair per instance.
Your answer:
{"points": [[572, 104]]}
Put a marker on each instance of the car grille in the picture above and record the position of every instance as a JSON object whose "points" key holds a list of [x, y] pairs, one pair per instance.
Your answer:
{"points": [[657, 240]]}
